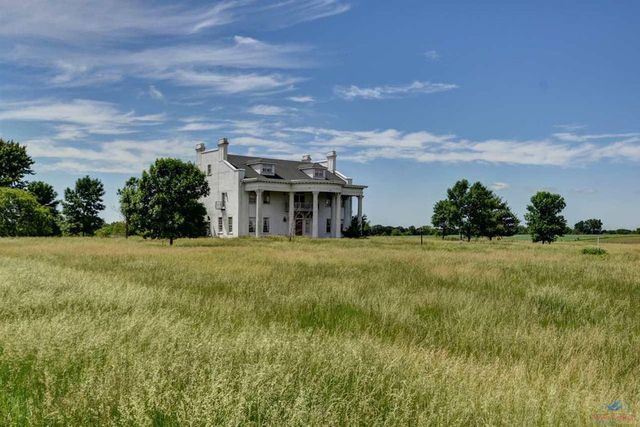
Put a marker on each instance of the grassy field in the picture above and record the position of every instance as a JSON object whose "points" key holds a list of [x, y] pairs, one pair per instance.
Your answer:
{"points": [[380, 331]]}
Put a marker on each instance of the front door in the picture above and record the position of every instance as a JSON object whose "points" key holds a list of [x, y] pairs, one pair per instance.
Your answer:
{"points": [[299, 227]]}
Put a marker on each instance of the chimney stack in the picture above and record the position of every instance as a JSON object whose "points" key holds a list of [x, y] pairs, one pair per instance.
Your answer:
{"points": [[306, 158], [199, 150], [331, 161], [223, 148]]}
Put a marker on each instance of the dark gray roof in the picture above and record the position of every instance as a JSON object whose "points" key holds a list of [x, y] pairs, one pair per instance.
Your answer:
{"points": [[286, 170]]}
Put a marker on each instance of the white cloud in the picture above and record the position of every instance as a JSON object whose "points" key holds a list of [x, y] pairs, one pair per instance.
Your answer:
{"points": [[385, 92], [302, 99], [230, 83], [432, 55], [78, 117], [573, 137], [268, 110], [155, 93], [119, 156], [198, 126], [88, 21], [500, 186]]}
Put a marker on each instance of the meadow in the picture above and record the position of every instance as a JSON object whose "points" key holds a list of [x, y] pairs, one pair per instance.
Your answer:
{"points": [[379, 331]]}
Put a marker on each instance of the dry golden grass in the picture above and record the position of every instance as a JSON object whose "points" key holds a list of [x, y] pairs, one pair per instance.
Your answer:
{"points": [[380, 331]]}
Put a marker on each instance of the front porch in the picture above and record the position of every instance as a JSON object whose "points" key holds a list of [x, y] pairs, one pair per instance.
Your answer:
{"points": [[315, 213]]}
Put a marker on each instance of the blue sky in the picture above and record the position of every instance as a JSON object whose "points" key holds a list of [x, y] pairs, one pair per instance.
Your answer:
{"points": [[519, 95]]}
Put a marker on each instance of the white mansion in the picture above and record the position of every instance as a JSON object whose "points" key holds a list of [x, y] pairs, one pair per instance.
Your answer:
{"points": [[259, 196]]}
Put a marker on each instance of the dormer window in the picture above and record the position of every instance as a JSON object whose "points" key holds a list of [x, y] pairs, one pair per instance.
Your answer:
{"points": [[314, 171], [264, 168]]}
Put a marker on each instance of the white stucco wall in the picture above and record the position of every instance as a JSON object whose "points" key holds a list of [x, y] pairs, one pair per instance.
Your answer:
{"points": [[223, 178]]}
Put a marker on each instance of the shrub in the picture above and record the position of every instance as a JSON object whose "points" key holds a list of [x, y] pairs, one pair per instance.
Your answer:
{"points": [[115, 229], [594, 251]]}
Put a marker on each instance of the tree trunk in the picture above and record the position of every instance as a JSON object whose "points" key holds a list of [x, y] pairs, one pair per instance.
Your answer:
{"points": [[126, 229], [170, 241]]}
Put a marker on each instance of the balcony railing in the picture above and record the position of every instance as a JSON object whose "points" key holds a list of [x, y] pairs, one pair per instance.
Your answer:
{"points": [[299, 206]]}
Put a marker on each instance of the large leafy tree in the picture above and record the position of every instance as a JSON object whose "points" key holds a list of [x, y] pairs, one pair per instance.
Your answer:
{"points": [[445, 217], [47, 197], [15, 163], [130, 208], [458, 196], [22, 215], [504, 222], [81, 206], [478, 209], [589, 226], [543, 217], [44, 194], [170, 206]]}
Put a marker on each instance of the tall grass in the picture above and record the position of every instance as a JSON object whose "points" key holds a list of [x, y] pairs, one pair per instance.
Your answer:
{"points": [[370, 332]]}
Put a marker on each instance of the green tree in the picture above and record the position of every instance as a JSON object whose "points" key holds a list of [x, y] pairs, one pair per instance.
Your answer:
{"points": [[445, 216], [589, 226], [504, 222], [44, 194], [130, 207], [543, 217], [458, 196], [169, 199], [15, 163], [81, 206], [479, 211], [47, 197], [22, 215]]}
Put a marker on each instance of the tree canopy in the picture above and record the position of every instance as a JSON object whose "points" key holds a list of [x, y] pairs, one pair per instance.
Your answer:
{"points": [[130, 209], [588, 226], [22, 215], [543, 217], [81, 206], [169, 200], [15, 163], [474, 210]]}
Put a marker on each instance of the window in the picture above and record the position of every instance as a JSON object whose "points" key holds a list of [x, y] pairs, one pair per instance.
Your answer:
{"points": [[266, 198], [252, 225], [327, 202], [328, 229], [230, 229], [318, 173], [267, 169], [209, 170], [252, 198], [298, 198], [265, 225], [219, 224]]}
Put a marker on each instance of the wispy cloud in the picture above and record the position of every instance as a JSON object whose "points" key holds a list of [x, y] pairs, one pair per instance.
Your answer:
{"points": [[573, 137], [302, 99], [392, 91], [432, 55], [88, 21], [118, 156], [155, 93], [198, 127], [269, 110], [78, 117], [500, 186]]}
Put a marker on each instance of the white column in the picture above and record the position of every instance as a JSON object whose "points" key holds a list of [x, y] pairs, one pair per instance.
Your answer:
{"points": [[292, 220], [314, 217], [258, 213], [338, 199], [360, 211]]}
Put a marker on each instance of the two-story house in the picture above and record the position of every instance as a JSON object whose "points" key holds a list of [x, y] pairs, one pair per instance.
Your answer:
{"points": [[261, 196]]}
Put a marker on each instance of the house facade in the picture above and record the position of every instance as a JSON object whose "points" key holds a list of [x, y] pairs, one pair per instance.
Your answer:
{"points": [[267, 197]]}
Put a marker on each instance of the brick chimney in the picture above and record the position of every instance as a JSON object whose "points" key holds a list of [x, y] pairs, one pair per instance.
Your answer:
{"points": [[223, 148], [306, 158], [331, 161]]}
